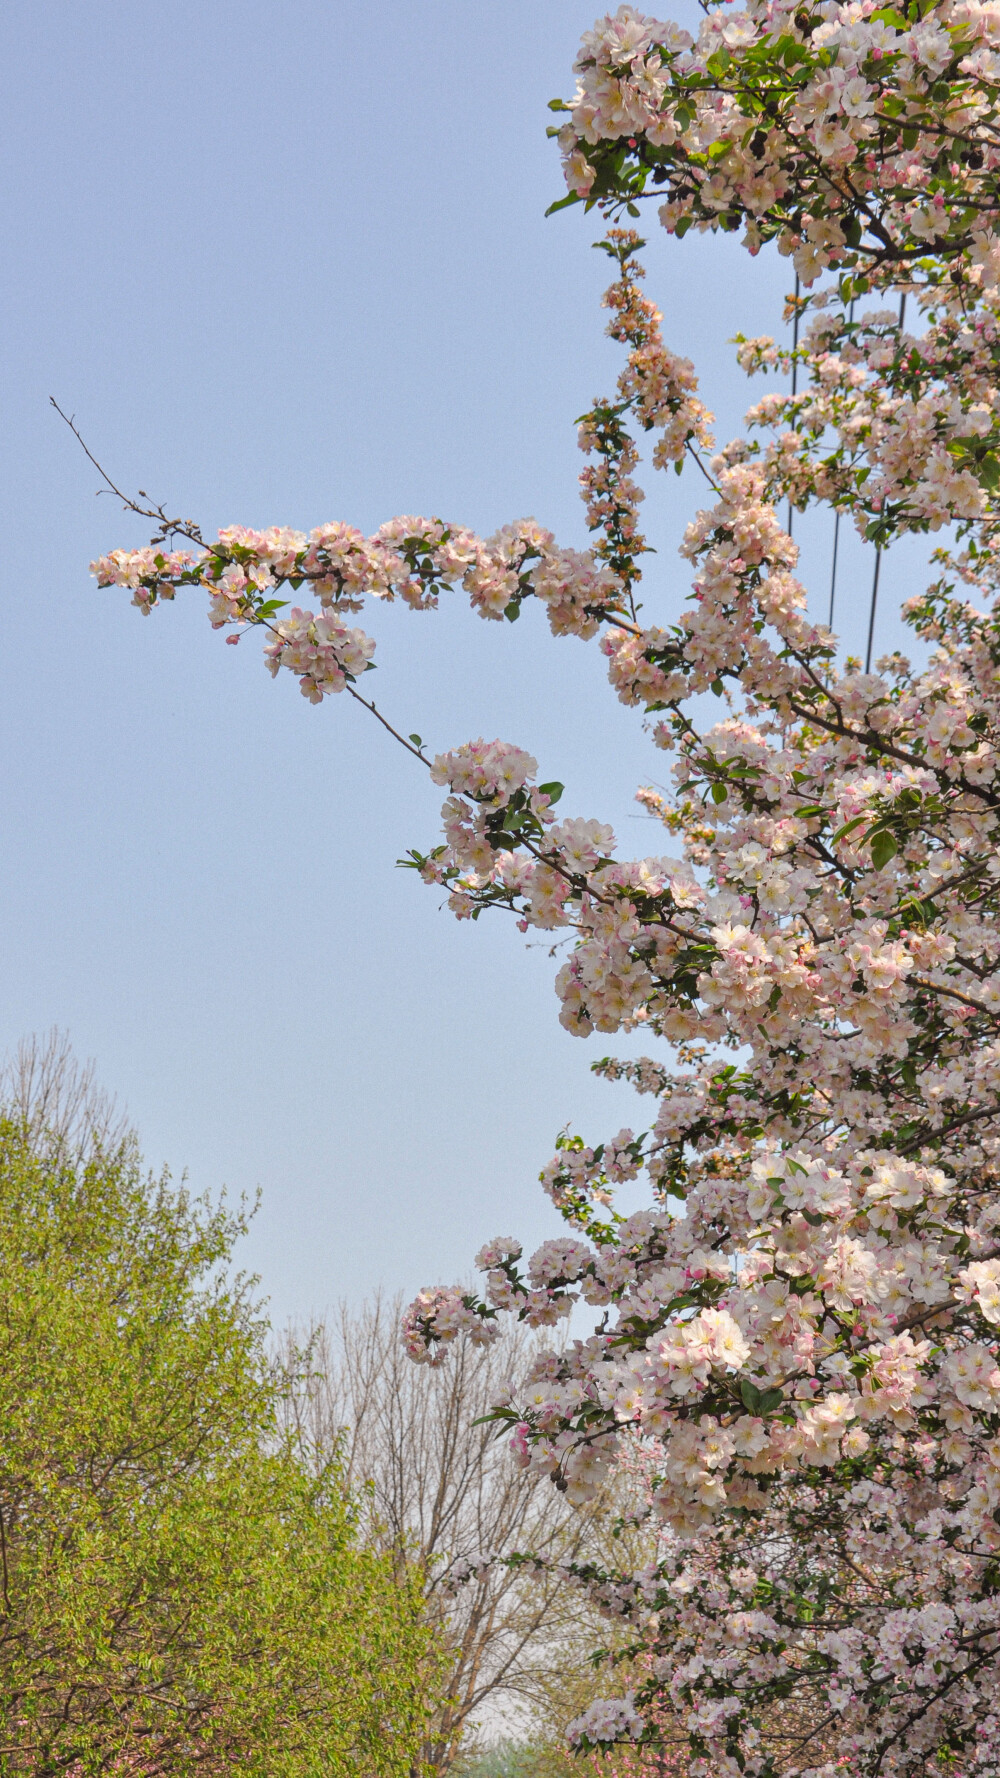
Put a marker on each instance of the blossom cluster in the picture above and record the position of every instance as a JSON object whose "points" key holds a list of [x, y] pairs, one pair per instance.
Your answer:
{"points": [[409, 558], [898, 427], [606, 1720], [658, 390], [857, 135], [436, 1317], [414, 559]]}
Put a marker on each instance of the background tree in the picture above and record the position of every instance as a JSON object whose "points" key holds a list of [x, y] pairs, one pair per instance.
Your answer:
{"points": [[178, 1594], [57, 1102], [440, 1496]]}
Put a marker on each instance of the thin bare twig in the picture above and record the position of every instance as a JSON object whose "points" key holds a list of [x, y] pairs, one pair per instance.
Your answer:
{"points": [[417, 752], [3, 1561], [168, 527]]}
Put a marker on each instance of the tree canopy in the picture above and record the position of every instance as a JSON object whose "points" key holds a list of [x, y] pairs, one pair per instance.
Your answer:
{"points": [[177, 1592]]}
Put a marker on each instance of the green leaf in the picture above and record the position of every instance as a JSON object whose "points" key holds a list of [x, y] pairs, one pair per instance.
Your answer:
{"points": [[572, 197], [849, 827], [553, 791], [771, 1399], [750, 1396], [884, 846], [988, 472], [719, 793], [416, 739]]}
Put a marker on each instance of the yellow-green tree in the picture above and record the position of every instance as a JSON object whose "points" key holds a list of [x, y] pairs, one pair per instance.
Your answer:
{"points": [[177, 1593]]}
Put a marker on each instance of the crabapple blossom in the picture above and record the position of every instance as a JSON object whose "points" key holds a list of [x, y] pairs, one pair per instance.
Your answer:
{"points": [[609, 1719], [797, 1344], [438, 1316]]}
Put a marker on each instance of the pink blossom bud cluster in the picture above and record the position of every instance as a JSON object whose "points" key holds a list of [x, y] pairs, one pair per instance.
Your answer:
{"points": [[485, 771], [321, 650]]}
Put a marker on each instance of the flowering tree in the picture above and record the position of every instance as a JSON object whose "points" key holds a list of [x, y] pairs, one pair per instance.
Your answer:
{"points": [[811, 1348]]}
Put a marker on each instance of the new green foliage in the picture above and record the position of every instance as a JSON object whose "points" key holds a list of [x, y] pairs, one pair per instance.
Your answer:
{"points": [[177, 1594]]}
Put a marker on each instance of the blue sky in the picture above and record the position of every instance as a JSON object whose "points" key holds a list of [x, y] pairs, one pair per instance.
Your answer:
{"points": [[287, 264]]}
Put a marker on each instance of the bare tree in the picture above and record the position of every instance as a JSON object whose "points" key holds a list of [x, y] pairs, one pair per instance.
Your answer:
{"points": [[58, 1101], [442, 1491]]}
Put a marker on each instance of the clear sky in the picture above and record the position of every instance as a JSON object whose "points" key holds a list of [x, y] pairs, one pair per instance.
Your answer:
{"points": [[289, 263]]}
